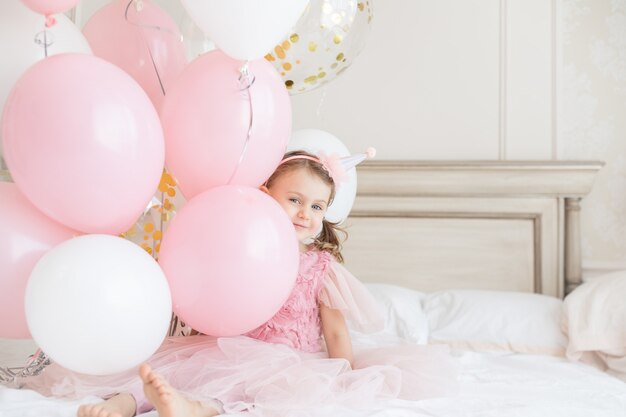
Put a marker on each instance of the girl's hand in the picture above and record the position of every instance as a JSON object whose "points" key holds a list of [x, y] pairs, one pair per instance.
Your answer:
{"points": [[336, 334]]}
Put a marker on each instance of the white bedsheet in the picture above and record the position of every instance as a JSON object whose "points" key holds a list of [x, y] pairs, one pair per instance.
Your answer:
{"points": [[498, 385]]}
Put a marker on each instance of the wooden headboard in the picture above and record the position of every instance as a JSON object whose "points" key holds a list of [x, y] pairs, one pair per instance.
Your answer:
{"points": [[433, 225]]}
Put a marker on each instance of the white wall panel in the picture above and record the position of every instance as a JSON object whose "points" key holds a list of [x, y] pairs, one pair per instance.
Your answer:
{"points": [[529, 104], [425, 87]]}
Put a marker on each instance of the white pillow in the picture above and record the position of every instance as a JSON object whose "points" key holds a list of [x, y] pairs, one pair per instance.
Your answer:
{"points": [[594, 316], [402, 307], [484, 320]]}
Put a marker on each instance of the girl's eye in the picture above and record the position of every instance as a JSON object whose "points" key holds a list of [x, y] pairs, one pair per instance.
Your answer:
{"points": [[317, 207], [294, 200]]}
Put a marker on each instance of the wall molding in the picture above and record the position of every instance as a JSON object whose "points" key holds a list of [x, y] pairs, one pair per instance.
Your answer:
{"points": [[555, 90], [502, 70]]}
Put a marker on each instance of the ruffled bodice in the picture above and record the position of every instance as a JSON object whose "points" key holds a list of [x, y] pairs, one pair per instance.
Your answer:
{"points": [[297, 323], [321, 280]]}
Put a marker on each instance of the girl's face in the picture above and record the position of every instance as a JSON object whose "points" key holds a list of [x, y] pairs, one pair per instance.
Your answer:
{"points": [[304, 197]]}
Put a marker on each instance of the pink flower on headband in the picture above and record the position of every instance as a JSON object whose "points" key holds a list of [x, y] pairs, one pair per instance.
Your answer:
{"points": [[332, 164], [336, 167]]}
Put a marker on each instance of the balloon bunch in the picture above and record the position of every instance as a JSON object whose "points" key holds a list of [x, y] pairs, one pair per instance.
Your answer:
{"points": [[87, 138], [84, 145]]}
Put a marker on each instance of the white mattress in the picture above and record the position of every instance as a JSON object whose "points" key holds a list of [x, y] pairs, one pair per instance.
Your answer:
{"points": [[498, 385]]}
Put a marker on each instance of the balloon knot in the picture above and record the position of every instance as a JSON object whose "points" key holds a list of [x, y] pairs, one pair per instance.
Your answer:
{"points": [[50, 21]]}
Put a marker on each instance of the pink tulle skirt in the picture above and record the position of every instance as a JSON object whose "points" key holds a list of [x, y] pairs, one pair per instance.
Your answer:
{"points": [[270, 379]]}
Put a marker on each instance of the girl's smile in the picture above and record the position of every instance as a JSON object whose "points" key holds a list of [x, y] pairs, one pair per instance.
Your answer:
{"points": [[304, 197]]}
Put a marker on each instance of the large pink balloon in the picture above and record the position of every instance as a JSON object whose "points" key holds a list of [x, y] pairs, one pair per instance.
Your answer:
{"points": [[25, 236], [206, 117], [48, 7], [83, 142], [231, 259], [146, 44]]}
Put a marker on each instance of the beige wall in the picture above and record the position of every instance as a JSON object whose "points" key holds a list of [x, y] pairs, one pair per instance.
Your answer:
{"points": [[488, 79]]}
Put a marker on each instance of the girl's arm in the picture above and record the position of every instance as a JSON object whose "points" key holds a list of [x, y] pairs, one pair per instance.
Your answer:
{"points": [[336, 334]]}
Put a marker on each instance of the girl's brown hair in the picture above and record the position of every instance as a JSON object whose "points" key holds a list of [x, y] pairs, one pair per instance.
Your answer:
{"points": [[327, 240]]}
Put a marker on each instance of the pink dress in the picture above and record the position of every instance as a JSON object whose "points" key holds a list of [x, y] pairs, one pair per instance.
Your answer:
{"points": [[281, 368]]}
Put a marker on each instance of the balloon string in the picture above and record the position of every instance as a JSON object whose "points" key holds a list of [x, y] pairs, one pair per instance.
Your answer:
{"points": [[155, 253], [44, 39], [37, 362], [45, 43], [320, 104], [142, 26], [138, 7], [246, 79], [156, 70]]}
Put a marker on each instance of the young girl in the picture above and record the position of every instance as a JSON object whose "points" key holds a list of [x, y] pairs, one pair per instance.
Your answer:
{"points": [[300, 358]]}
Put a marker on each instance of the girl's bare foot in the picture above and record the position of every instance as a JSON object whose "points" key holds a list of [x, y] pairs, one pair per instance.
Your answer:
{"points": [[121, 405], [168, 401]]}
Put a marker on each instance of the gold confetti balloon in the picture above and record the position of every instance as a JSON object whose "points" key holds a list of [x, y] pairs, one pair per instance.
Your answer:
{"points": [[148, 231], [323, 44]]}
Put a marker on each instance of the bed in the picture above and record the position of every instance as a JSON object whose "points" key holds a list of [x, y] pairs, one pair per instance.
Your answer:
{"points": [[478, 256]]}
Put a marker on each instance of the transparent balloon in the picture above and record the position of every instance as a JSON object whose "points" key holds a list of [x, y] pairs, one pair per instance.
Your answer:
{"points": [[148, 231], [323, 44]]}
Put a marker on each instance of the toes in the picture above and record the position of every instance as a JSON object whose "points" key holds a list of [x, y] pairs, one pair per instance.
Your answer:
{"points": [[156, 382], [144, 371], [153, 378], [162, 389], [147, 374]]}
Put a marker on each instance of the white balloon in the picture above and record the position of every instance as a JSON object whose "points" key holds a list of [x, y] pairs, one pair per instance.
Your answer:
{"points": [[315, 141], [245, 29], [18, 28], [98, 304]]}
